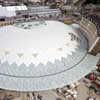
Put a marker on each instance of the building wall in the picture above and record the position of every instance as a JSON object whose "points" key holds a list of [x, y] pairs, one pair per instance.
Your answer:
{"points": [[91, 34]]}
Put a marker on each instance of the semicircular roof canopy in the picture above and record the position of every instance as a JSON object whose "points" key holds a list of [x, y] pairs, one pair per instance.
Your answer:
{"points": [[42, 55]]}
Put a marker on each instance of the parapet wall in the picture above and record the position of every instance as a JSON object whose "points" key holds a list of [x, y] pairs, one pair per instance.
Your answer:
{"points": [[91, 34]]}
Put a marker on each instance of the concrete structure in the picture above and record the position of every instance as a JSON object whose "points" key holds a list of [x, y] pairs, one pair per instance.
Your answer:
{"points": [[92, 34], [42, 61], [45, 54]]}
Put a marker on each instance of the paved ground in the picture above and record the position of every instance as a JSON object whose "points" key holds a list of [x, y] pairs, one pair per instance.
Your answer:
{"points": [[51, 95], [83, 93]]}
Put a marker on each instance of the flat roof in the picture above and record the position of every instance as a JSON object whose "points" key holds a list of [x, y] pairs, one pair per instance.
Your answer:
{"points": [[37, 56]]}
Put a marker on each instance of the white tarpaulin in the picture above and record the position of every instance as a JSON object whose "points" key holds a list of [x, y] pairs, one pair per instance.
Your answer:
{"points": [[16, 8], [42, 55], [10, 11], [6, 13]]}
